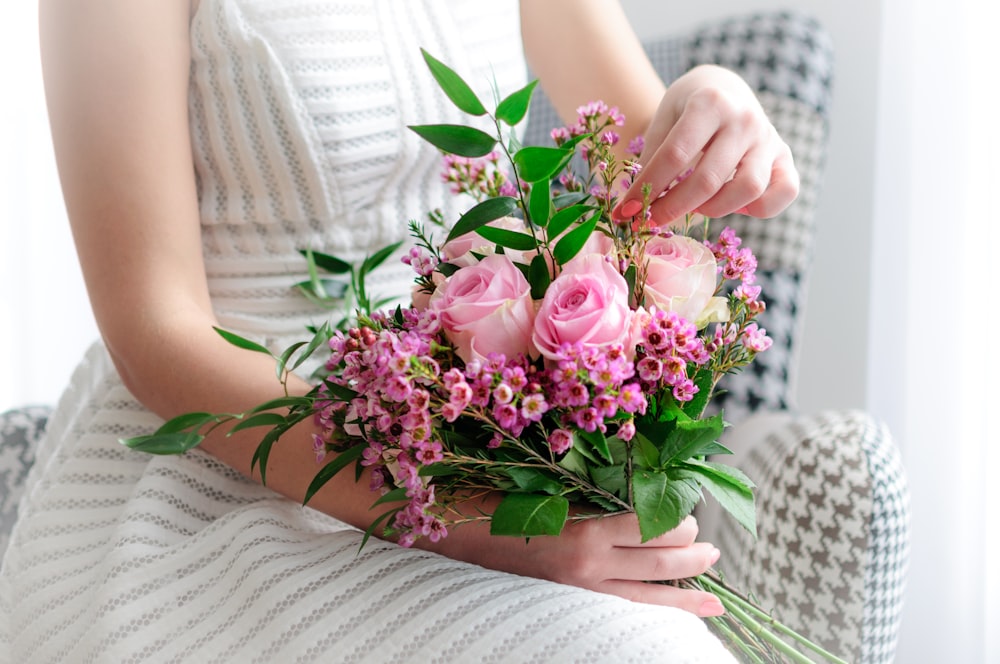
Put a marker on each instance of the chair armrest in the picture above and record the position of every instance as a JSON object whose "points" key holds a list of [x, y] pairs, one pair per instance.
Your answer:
{"points": [[833, 528]]}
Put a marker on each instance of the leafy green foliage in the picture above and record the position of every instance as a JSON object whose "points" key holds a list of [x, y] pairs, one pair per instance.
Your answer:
{"points": [[536, 163], [514, 107], [457, 139], [529, 515], [483, 213], [454, 86]]}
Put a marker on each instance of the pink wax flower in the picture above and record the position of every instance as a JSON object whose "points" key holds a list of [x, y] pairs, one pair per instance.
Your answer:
{"points": [[487, 308], [681, 277], [587, 304]]}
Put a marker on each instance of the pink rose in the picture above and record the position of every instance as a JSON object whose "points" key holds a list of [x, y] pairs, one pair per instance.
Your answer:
{"points": [[486, 308], [681, 276], [459, 251], [586, 304]]}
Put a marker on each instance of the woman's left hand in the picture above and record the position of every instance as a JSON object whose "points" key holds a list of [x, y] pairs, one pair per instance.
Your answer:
{"points": [[711, 133]]}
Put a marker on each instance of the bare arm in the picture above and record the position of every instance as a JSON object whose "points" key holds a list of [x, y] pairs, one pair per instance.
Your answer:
{"points": [[116, 77], [709, 118]]}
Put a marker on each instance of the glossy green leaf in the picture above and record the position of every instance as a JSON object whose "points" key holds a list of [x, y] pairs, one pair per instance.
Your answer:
{"points": [[703, 379], [538, 276], [731, 488], [483, 213], [508, 239], [457, 139], [596, 442], [571, 243], [690, 439], [454, 86], [661, 503], [515, 106], [331, 469], [611, 478], [187, 421], [540, 203], [241, 342], [394, 495], [565, 218], [571, 198], [531, 479], [260, 420], [321, 338], [535, 163], [282, 402], [177, 442], [528, 515]]}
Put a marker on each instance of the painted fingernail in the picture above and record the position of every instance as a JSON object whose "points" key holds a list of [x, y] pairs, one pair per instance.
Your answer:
{"points": [[711, 607], [630, 208], [714, 557]]}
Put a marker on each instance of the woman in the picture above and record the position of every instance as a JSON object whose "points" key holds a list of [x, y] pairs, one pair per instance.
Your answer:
{"points": [[199, 147]]}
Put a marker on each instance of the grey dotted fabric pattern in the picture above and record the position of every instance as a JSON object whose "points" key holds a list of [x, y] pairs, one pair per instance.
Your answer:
{"points": [[20, 430]]}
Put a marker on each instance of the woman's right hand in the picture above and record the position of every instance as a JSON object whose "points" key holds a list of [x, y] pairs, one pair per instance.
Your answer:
{"points": [[602, 554]]}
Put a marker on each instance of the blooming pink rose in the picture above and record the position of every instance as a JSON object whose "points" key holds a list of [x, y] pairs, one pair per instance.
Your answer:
{"points": [[459, 251], [487, 308], [681, 276], [586, 304]]}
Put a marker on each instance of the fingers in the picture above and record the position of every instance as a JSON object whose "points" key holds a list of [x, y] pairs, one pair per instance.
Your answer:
{"points": [[622, 530], [662, 563], [782, 189], [698, 602]]}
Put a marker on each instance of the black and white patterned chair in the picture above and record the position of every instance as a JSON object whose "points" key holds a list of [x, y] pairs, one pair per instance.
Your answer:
{"points": [[832, 499], [833, 512]]}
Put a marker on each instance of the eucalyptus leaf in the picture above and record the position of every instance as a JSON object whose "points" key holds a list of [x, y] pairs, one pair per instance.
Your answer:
{"points": [[529, 515], [514, 107], [454, 86], [483, 213], [457, 139]]}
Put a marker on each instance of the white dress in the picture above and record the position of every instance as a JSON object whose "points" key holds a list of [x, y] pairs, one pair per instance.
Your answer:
{"points": [[299, 111]]}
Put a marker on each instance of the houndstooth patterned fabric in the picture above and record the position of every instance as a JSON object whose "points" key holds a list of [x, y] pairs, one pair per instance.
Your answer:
{"points": [[832, 510], [20, 430]]}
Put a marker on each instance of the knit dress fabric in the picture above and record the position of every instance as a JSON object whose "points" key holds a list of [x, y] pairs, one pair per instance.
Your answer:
{"points": [[299, 112]]}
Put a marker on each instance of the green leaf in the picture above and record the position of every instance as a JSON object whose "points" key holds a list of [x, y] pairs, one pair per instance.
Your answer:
{"points": [[508, 239], [611, 478], [482, 214], [241, 342], [539, 277], [447, 269], [329, 470], [164, 443], [374, 526], [690, 439], [397, 494], [321, 337], [571, 198], [458, 90], [515, 106], [324, 289], [535, 163], [457, 139], [571, 243], [660, 503], [565, 218], [575, 463], [260, 420], [540, 202], [533, 480], [329, 263], [646, 453], [187, 421], [282, 402], [528, 515], [379, 257], [731, 488], [597, 442]]}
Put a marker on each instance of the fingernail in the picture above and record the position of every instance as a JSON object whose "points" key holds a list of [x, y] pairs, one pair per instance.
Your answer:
{"points": [[630, 208], [714, 557], [711, 607]]}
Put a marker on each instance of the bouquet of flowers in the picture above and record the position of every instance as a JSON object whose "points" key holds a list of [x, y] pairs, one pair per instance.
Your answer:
{"points": [[553, 354]]}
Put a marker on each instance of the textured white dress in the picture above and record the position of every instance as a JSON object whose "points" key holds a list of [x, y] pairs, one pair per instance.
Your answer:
{"points": [[299, 111]]}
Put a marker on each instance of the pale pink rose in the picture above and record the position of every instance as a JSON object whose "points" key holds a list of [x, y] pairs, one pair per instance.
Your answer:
{"points": [[487, 308], [460, 250], [586, 304], [681, 276]]}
